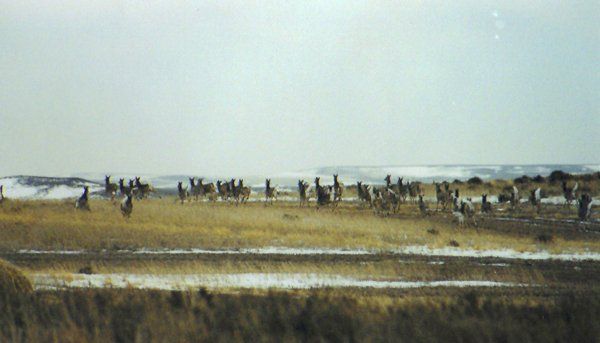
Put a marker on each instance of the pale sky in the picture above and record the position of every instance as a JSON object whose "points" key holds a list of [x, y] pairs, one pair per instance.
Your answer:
{"points": [[253, 87]]}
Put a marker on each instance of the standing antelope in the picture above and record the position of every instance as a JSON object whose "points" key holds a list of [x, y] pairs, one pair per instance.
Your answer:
{"points": [[243, 191], [514, 197], [1, 194], [124, 190], [422, 206], [303, 189], [110, 188], [144, 189], [441, 196], [83, 202], [270, 192], [569, 193], [585, 207], [535, 198], [182, 192], [223, 188], [208, 189], [323, 193], [414, 190], [338, 188], [486, 206], [127, 206], [195, 190]]}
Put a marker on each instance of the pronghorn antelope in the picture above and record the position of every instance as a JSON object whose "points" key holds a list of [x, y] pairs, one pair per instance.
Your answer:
{"points": [[338, 188], [441, 196], [422, 206], [414, 190], [182, 192], [569, 193], [195, 190], [234, 191], [486, 206], [223, 189], [1, 194], [514, 198], [455, 200], [323, 193], [127, 206], [465, 213], [402, 189], [208, 189], [585, 207], [110, 188], [363, 192], [303, 191], [270, 192], [243, 191], [143, 189], [83, 202], [535, 198], [124, 190]]}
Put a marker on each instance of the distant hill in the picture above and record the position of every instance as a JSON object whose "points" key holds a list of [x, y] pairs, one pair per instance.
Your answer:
{"points": [[41, 187]]}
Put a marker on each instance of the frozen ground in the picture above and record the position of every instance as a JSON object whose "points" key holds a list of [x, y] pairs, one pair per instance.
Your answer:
{"points": [[408, 250], [245, 280]]}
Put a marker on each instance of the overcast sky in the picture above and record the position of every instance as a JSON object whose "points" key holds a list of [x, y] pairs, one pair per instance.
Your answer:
{"points": [[252, 87]]}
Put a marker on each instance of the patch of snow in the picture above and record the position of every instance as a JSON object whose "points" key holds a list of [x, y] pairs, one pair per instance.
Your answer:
{"points": [[407, 250], [244, 280]]}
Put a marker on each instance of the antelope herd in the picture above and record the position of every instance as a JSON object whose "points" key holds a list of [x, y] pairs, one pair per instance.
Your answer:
{"points": [[384, 199]]}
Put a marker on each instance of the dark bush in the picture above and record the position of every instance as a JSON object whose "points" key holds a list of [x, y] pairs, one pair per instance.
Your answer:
{"points": [[559, 175], [544, 238], [475, 181], [453, 243], [539, 179], [457, 181], [522, 180]]}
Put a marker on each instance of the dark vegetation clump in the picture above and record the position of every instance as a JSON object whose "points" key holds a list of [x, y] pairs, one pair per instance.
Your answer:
{"points": [[111, 315], [559, 176], [453, 243], [457, 182], [433, 231], [12, 281], [522, 180], [539, 179], [544, 238], [475, 181], [87, 270]]}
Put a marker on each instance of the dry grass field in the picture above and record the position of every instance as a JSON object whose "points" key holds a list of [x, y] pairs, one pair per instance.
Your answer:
{"points": [[537, 295]]}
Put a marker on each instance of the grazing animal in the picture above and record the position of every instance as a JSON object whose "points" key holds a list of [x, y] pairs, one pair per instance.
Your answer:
{"points": [[570, 194], [486, 206], [143, 189], [441, 196], [223, 188], [514, 197], [208, 189], [127, 206], [323, 193], [270, 192], [338, 188], [585, 207], [303, 192], [182, 192], [110, 189], [423, 206], [234, 191], [465, 213], [414, 190], [243, 191], [2, 194], [363, 192], [83, 202], [402, 189], [124, 190], [535, 198], [195, 190]]}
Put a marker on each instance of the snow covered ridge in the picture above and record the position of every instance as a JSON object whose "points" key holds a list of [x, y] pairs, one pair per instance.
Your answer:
{"points": [[243, 280], [407, 250], [40, 187]]}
